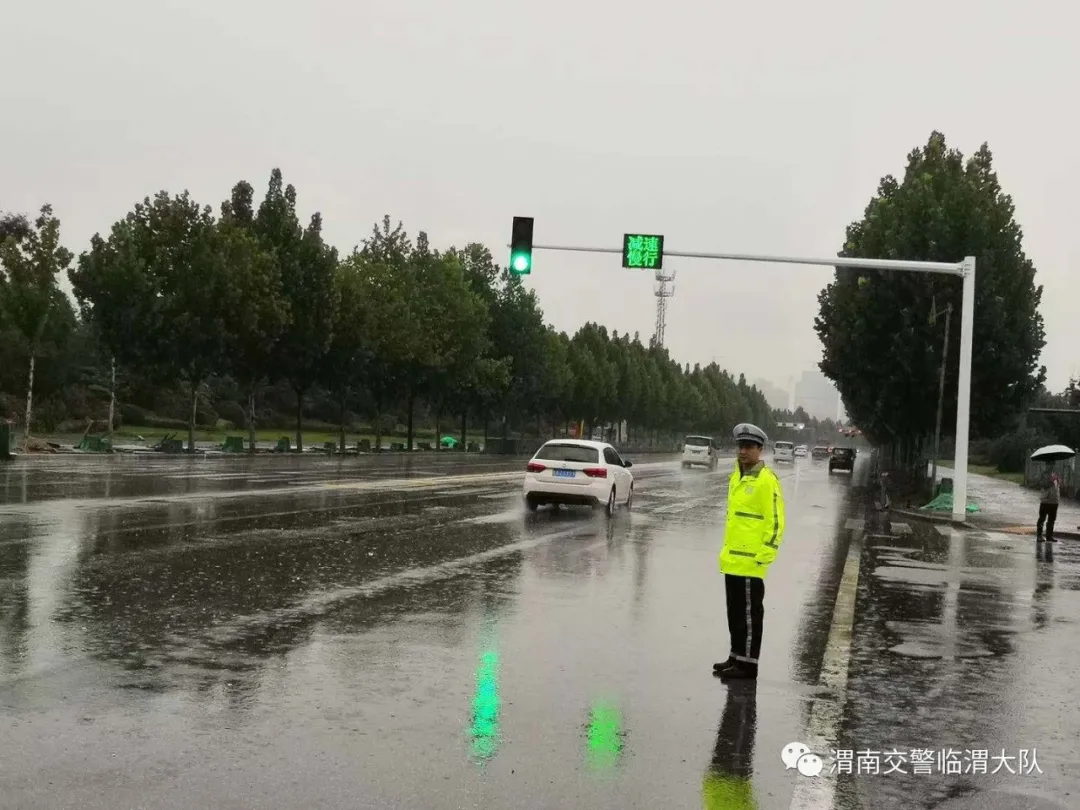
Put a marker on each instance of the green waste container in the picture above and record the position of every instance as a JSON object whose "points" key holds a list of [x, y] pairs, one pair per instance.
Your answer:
{"points": [[233, 444], [95, 444]]}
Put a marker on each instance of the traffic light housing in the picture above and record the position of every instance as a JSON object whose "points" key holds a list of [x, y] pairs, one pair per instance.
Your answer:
{"points": [[521, 245]]}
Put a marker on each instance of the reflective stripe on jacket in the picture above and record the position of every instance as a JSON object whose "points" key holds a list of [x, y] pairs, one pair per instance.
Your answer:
{"points": [[755, 522]]}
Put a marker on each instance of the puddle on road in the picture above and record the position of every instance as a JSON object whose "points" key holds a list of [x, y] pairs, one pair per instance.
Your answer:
{"points": [[930, 640], [896, 550], [923, 574], [498, 517]]}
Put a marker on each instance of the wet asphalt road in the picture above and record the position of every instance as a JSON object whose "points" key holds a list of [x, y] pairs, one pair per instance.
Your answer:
{"points": [[286, 633]]}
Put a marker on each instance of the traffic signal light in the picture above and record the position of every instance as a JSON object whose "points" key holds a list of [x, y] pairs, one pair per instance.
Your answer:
{"points": [[521, 240]]}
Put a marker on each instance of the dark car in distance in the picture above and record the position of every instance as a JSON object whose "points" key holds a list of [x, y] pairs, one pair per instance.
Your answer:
{"points": [[819, 453], [843, 458]]}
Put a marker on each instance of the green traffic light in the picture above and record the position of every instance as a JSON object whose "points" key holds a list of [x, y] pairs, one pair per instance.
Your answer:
{"points": [[520, 263]]}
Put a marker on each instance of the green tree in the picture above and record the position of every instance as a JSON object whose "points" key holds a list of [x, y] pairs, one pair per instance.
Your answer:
{"points": [[485, 384], [518, 336], [306, 265], [14, 225], [264, 314], [348, 359], [116, 297], [383, 265], [463, 357], [29, 294], [185, 291], [881, 346]]}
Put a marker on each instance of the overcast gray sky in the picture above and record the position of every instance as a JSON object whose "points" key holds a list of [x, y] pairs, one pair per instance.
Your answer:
{"points": [[730, 127]]}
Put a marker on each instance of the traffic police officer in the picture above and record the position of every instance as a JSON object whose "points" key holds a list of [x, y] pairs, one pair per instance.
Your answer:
{"points": [[752, 536]]}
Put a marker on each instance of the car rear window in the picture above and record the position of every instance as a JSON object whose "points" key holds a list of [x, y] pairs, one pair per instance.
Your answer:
{"points": [[569, 452], [843, 451], [784, 445], [698, 441]]}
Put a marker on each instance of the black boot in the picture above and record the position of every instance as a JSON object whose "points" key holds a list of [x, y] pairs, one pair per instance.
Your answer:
{"points": [[741, 671], [723, 666]]}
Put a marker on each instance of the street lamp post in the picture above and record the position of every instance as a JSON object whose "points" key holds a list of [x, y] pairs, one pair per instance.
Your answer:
{"points": [[965, 269], [941, 391]]}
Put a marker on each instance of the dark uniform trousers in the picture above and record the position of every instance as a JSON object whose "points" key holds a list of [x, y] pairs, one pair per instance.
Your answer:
{"points": [[745, 613], [1047, 515]]}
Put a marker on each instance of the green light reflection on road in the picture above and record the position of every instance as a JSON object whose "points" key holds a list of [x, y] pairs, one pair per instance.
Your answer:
{"points": [[605, 735], [484, 731]]}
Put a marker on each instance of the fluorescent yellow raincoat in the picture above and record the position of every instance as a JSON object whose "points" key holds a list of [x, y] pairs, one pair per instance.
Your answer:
{"points": [[755, 522]]}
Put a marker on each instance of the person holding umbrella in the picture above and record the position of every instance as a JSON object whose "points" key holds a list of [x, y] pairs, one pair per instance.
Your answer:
{"points": [[1048, 502], [1048, 506]]}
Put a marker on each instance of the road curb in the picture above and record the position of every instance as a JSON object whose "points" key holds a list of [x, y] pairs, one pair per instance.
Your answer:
{"points": [[930, 517]]}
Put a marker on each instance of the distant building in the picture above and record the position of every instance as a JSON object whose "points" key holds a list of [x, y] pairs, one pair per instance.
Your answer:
{"points": [[815, 394], [776, 396]]}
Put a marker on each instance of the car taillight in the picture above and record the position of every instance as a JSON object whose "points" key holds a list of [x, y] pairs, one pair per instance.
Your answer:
{"points": [[534, 466], [595, 472]]}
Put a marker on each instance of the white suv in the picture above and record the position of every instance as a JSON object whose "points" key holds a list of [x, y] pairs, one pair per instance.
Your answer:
{"points": [[784, 451], [700, 450]]}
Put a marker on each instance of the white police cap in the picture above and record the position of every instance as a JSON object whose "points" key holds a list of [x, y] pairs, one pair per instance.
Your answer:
{"points": [[745, 432]]}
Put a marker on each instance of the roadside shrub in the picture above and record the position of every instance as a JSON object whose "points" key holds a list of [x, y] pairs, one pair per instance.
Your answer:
{"points": [[163, 422], [48, 414], [133, 415], [980, 451], [1009, 453], [233, 412], [205, 416]]}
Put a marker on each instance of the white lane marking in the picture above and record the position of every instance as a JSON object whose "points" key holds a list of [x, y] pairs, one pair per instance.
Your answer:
{"points": [[371, 485], [823, 728], [318, 604], [684, 506]]}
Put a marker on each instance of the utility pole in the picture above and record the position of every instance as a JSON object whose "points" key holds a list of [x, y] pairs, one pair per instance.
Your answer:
{"points": [[941, 389]]}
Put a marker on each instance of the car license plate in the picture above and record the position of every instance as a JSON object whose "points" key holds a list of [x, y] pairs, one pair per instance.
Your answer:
{"points": [[564, 473]]}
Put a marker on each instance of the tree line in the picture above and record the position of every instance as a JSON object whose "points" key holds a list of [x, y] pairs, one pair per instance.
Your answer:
{"points": [[246, 313], [883, 332]]}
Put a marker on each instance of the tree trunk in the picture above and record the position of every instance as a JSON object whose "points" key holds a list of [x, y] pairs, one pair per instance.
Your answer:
{"points": [[341, 422], [410, 402], [464, 430], [438, 428], [29, 397], [191, 419], [378, 427], [299, 420], [112, 397], [486, 419], [251, 418]]}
